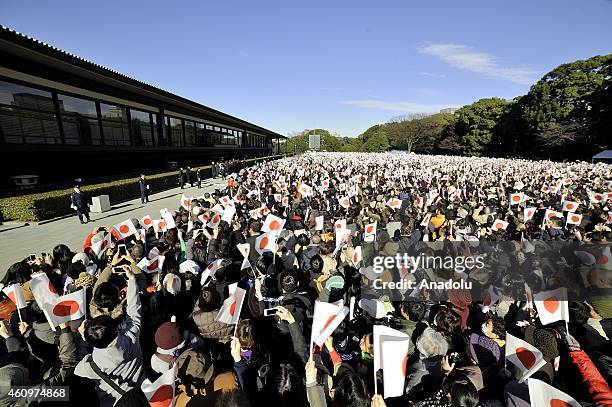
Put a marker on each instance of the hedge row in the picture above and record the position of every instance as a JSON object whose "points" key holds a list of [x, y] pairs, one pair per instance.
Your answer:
{"points": [[49, 205]]}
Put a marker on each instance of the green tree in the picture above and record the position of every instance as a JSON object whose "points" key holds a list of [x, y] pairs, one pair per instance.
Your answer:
{"points": [[420, 132], [566, 114], [477, 123], [374, 140]]}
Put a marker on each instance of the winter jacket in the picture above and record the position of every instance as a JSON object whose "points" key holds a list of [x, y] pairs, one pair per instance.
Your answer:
{"points": [[209, 328], [122, 359], [596, 386], [105, 275]]}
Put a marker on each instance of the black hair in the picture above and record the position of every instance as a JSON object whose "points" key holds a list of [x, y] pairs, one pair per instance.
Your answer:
{"points": [[414, 309], [106, 295], [303, 240], [462, 392], [101, 331], [133, 398], [62, 256], [232, 398], [287, 281], [210, 299], [17, 273], [73, 270], [316, 263], [351, 391], [285, 387]]}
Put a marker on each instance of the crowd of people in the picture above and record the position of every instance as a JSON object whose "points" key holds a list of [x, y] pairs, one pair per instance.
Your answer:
{"points": [[337, 213]]}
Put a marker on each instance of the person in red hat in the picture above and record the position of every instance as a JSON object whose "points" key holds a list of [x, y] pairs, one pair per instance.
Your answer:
{"points": [[171, 341]]}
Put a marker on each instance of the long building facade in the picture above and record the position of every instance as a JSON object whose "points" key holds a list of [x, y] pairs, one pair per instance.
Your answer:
{"points": [[62, 117]]}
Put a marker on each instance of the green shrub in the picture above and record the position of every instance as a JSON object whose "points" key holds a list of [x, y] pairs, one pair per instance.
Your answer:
{"points": [[49, 205]]}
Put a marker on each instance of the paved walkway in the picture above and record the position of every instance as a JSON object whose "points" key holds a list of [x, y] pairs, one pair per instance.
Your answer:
{"points": [[17, 243]]}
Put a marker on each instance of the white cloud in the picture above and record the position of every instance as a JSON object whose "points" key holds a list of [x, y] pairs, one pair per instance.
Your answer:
{"points": [[464, 57], [400, 107], [428, 74]]}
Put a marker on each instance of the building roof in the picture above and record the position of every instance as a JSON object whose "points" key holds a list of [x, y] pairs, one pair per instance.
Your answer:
{"points": [[604, 154], [33, 44]]}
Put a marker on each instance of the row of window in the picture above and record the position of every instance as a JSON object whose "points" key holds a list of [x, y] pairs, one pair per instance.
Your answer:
{"points": [[34, 116]]}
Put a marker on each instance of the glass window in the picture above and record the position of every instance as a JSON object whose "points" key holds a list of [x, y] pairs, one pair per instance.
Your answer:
{"points": [[141, 128], [175, 131], [190, 133], [27, 115], [79, 120], [201, 134], [115, 125], [209, 127]]}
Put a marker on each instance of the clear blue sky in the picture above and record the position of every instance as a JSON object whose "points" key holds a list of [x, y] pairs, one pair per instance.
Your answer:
{"points": [[340, 65]]}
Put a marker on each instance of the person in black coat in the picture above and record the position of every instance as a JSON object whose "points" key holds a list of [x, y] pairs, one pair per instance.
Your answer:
{"points": [[199, 177], [79, 202], [144, 188], [182, 177]]}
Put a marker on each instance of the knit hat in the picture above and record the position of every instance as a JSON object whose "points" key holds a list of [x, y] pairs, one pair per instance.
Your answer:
{"points": [[84, 280], [375, 308], [193, 364], [585, 258], [334, 282], [168, 336], [82, 257]]}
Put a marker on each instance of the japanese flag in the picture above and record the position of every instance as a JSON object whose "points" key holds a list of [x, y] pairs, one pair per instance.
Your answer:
{"points": [[230, 310], [204, 218], [153, 265], [273, 224], [304, 189], [99, 247], [245, 250], [370, 232], [160, 225], [146, 222], [15, 294], [574, 219], [285, 201], [344, 202], [319, 223], [391, 355], [552, 305], [125, 229], [545, 395], [168, 218], [160, 393], [516, 199], [42, 289], [254, 213], [263, 211], [278, 197], [545, 189], [325, 184], [490, 298], [266, 242], [210, 270], [550, 214], [596, 197], [357, 256], [526, 357], [69, 307], [228, 214], [500, 224], [340, 224], [569, 206], [394, 203], [342, 236], [326, 318], [214, 221], [185, 202], [226, 200], [528, 213]]}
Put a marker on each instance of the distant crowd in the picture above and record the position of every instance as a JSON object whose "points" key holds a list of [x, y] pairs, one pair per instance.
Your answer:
{"points": [[266, 292]]}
